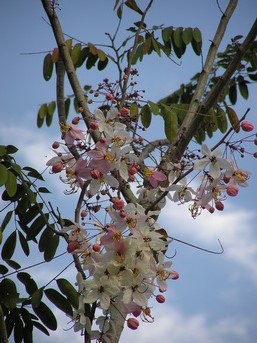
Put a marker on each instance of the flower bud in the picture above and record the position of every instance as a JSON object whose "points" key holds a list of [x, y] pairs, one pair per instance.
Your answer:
{"points": [[132, 170], [124, 111], [95, 174], [94, 125], [133, 323], [160, 298], [83, 214], [57, 167], [72, 246], [175, 275], [232, 190], [96, 247], [219, 205], [118, 204], [109, 96], [76, 120], [247, 126], [55, 145]]}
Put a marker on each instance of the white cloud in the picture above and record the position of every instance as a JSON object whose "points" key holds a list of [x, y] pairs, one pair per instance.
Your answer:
{"points": [[171, 325], [234, 227]]}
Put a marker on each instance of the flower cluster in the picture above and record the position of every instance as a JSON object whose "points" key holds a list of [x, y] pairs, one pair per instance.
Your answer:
{"points": [[124, 261]]}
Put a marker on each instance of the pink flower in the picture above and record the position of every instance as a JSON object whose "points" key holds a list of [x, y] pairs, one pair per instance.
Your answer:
{"points": [[154, 176], [101, 158], [79, 171], [71, 133]]}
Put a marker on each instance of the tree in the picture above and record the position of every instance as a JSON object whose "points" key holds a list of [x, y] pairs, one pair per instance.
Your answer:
{"points": [[120, 258]]}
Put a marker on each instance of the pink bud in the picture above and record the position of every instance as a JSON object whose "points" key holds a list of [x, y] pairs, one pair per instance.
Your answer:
{"points": [[219, 205], [109, 96], [124, 111], [175, 275], [132, 170], [95, 174], [55, 145], [123, 214], [160, 298], [57, 167], [118, 204], [83, 213], [247, 126], [133, 323], [72, 246], [232, 190], [226, 178], [76, 120], [94, 125], [96, 247]]}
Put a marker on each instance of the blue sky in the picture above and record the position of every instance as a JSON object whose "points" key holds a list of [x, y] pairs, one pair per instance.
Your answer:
{"points": [[215, 298]]}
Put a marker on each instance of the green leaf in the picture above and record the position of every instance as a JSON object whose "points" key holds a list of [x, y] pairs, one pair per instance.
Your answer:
{"points": [[133, 110], [33, 173], [167, 34], [28, 282], [51, 108], [232, 94], [156, 46], [91, 61], [48, 67], [11, 149], [2, 150], [69, 291], [170, 122], [75, 53], [47, 317], [101, 65], [243, 89], [197, 35], [11, 184], [133, 5], [59, 301], [37, 297], [9, 246], [187, 35], [233, 118], [37, 226], [3, 269], [119, 12], [18, 330], [154, 107], [82, 57], [177, 37], [8, 294], [15, 265], [40, 327], [146, 116], [42, 112], [51, 248], [222, 120], [43, 190], [197, 47], [6, 220], [24, 243]]}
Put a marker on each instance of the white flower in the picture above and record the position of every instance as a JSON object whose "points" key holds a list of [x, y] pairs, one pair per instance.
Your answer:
{"points": [[213, 159], [102, 289], [106, 122]]}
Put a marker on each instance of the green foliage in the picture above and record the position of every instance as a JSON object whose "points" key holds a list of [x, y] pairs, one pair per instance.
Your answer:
{"points": [[27, 223]]}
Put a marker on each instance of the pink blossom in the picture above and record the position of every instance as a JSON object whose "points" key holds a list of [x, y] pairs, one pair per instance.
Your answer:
{"points": [[154, 176], [71, 133], [101, 158]]}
